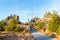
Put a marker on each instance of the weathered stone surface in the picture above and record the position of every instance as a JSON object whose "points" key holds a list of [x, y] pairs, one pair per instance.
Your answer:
{"points": [[14, 36]]}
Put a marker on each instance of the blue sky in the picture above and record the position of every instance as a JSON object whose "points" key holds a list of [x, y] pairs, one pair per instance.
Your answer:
{"points": [[26, 9]]}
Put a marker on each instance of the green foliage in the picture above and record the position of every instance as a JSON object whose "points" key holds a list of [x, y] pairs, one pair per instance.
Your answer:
{"points": [[12, 25], [2, 25], [58, 30], [12, 28], [54, 23], [35, 23], [40, 25]]}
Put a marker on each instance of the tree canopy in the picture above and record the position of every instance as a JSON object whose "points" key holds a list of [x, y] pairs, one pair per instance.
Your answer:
{"points": [[54, 23]]}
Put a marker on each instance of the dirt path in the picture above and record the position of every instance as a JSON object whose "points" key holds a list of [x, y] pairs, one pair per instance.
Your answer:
{"points": [[39, 36]]}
